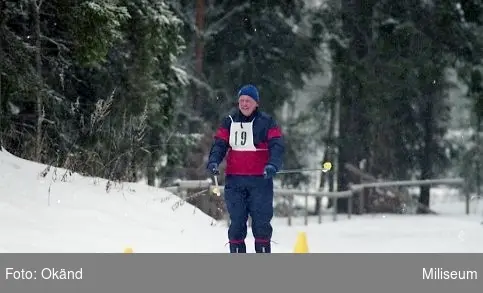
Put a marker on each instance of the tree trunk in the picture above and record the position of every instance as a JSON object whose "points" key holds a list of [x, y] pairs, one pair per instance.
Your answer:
{"points": [[133, 166], [328, 156], [357, 16], [476, 89], [426, 163], [2, 25], [478, 155], [39, 91], [153, 158], [200, 21]]}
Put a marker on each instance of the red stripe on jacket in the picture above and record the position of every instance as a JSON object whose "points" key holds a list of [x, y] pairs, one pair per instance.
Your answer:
{"points": [[223, 133], [274, 132]]}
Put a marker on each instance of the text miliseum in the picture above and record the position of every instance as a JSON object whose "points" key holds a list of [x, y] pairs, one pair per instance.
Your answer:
{"points": [[444, 274]]}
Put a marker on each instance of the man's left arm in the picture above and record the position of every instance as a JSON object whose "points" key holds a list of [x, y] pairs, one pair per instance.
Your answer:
{"points": [[276, 145]]}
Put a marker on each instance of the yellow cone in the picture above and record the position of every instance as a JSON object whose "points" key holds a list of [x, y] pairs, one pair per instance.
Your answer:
{"points": [[128, 250], [301, 244]]}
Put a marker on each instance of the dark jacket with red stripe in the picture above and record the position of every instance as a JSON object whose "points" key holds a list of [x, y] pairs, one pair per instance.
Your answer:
{"points": [[267, 138]]}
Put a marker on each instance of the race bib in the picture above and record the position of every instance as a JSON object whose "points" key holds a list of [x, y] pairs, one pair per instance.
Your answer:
{"points": [[241, 136]]}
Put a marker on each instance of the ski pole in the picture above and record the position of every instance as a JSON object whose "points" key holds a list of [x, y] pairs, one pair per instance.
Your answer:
{"points": [[291, 171], [326, 167], [216, 190]]}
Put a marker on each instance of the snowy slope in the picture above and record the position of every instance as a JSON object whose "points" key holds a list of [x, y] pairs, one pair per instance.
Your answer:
{"points": [[46, 214]]}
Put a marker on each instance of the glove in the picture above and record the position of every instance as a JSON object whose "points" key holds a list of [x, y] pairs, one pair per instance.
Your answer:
{"points": [[269, 171], [213, 168]]}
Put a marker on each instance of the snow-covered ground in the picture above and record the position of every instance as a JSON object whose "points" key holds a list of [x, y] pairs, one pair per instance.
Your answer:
{"points": [[62, 212]]}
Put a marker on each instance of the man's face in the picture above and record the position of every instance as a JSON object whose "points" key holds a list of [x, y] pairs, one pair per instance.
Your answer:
{"points": [[247, 105]]}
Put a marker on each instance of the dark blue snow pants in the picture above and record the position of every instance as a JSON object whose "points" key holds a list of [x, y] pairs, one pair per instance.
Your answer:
{"points": [[249, 196]]}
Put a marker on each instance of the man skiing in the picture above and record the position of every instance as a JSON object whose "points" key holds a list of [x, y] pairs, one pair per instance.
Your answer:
{"points": [[255, 147]]}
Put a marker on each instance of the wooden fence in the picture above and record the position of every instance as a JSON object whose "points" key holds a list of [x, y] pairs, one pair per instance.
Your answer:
{"points": [[181, 188]]}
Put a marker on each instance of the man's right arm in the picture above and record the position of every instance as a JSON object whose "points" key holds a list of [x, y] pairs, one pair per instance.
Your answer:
{"points": [[220, 143]]}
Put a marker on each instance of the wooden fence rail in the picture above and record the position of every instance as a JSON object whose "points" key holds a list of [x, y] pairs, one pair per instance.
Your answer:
{"points": [[181, 186], [432, 182]]}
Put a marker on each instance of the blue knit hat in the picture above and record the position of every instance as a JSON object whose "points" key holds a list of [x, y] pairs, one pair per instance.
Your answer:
{"points": [[249, 90]]}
